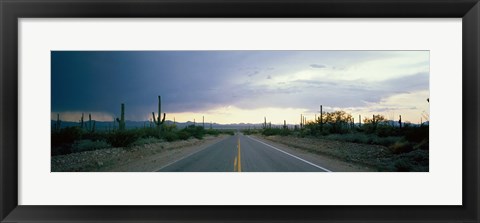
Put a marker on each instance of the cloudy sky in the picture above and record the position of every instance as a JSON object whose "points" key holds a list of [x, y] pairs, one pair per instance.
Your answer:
{"points": [[239, 86]]}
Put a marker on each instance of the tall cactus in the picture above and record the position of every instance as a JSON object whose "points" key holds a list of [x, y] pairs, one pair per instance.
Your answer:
{"points": [[91, 128], [81, 122], [321, 118], [121, 121], [301, 121], [400, 121], [158, 120], [58, 123]]}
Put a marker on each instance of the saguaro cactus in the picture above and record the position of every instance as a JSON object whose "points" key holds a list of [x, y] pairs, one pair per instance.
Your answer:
{"points": [[91, 128], [400, 121], [81, 122], [121, 121], [58, 123], [321, 118], [301, 121], [284, 124], [157, 120]]}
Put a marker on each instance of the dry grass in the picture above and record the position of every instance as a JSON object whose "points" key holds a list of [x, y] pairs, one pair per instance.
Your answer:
{"points": [[381, 158]]}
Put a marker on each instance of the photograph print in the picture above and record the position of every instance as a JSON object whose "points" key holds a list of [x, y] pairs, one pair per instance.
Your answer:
{"points": [[240, 111]]}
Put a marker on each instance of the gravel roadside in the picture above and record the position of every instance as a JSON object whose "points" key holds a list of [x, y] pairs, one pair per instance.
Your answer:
{"points": [[144, 158], [296, 146]]}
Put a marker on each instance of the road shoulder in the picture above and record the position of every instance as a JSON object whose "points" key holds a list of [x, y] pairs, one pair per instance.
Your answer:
{"points": [[329, 163], [156, 162], [142, 158]]}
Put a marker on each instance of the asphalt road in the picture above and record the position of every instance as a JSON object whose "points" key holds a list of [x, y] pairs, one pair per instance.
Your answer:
{"points": [[242, 153]]}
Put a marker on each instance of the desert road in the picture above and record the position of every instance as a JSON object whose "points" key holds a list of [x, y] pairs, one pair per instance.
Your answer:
{"points": [[241, 153]]}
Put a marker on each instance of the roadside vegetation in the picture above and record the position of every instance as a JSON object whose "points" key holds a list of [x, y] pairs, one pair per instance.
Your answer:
{"points": [[393, 145], [75, 139], [85, 137]]}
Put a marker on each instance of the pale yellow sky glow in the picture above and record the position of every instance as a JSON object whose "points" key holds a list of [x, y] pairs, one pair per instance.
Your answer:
{"points": [[232, 114], [410, 105], [75, 116]]}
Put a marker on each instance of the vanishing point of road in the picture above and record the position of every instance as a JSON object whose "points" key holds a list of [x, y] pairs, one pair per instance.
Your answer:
{"points": [[241, 153]]}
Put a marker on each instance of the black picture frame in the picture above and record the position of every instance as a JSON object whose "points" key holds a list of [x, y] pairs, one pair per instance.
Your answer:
{"points": [[11, 11]]}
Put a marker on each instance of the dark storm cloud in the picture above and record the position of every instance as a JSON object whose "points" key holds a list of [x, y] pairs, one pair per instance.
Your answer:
{"points": [[100, 81], [195, 81]]}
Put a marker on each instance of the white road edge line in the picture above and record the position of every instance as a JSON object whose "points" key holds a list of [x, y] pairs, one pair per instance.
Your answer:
{"points": [[273, 147], [191, 154]]}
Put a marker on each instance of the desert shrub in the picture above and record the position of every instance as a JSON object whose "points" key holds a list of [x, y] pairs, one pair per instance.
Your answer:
{"points": [[212, 132], [337, 121], [424, 145], [169, 128], [143, 141], [385, 141], [276, 131], [364, 138], [250, 131], [61, 150], [89, 145], [416, 160], [416, 134], [271, 131], [386, 130], [401, 147], [353, 137], [93, 136], [171, 136], [148, 133], [228, 132], [122, 138], [183, 135], [66, 136], [195, 131], [62, 140]]}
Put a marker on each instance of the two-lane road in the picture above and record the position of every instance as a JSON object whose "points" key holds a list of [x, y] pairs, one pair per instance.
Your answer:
{"points": [[243, 154]]}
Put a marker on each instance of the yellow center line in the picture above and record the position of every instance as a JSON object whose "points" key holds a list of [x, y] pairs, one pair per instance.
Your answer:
{"points": [[235, 164], [239, 168]]}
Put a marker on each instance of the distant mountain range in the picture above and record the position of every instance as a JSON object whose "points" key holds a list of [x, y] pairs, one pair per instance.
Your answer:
{"points": [[103, 126], [100, 125]]}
